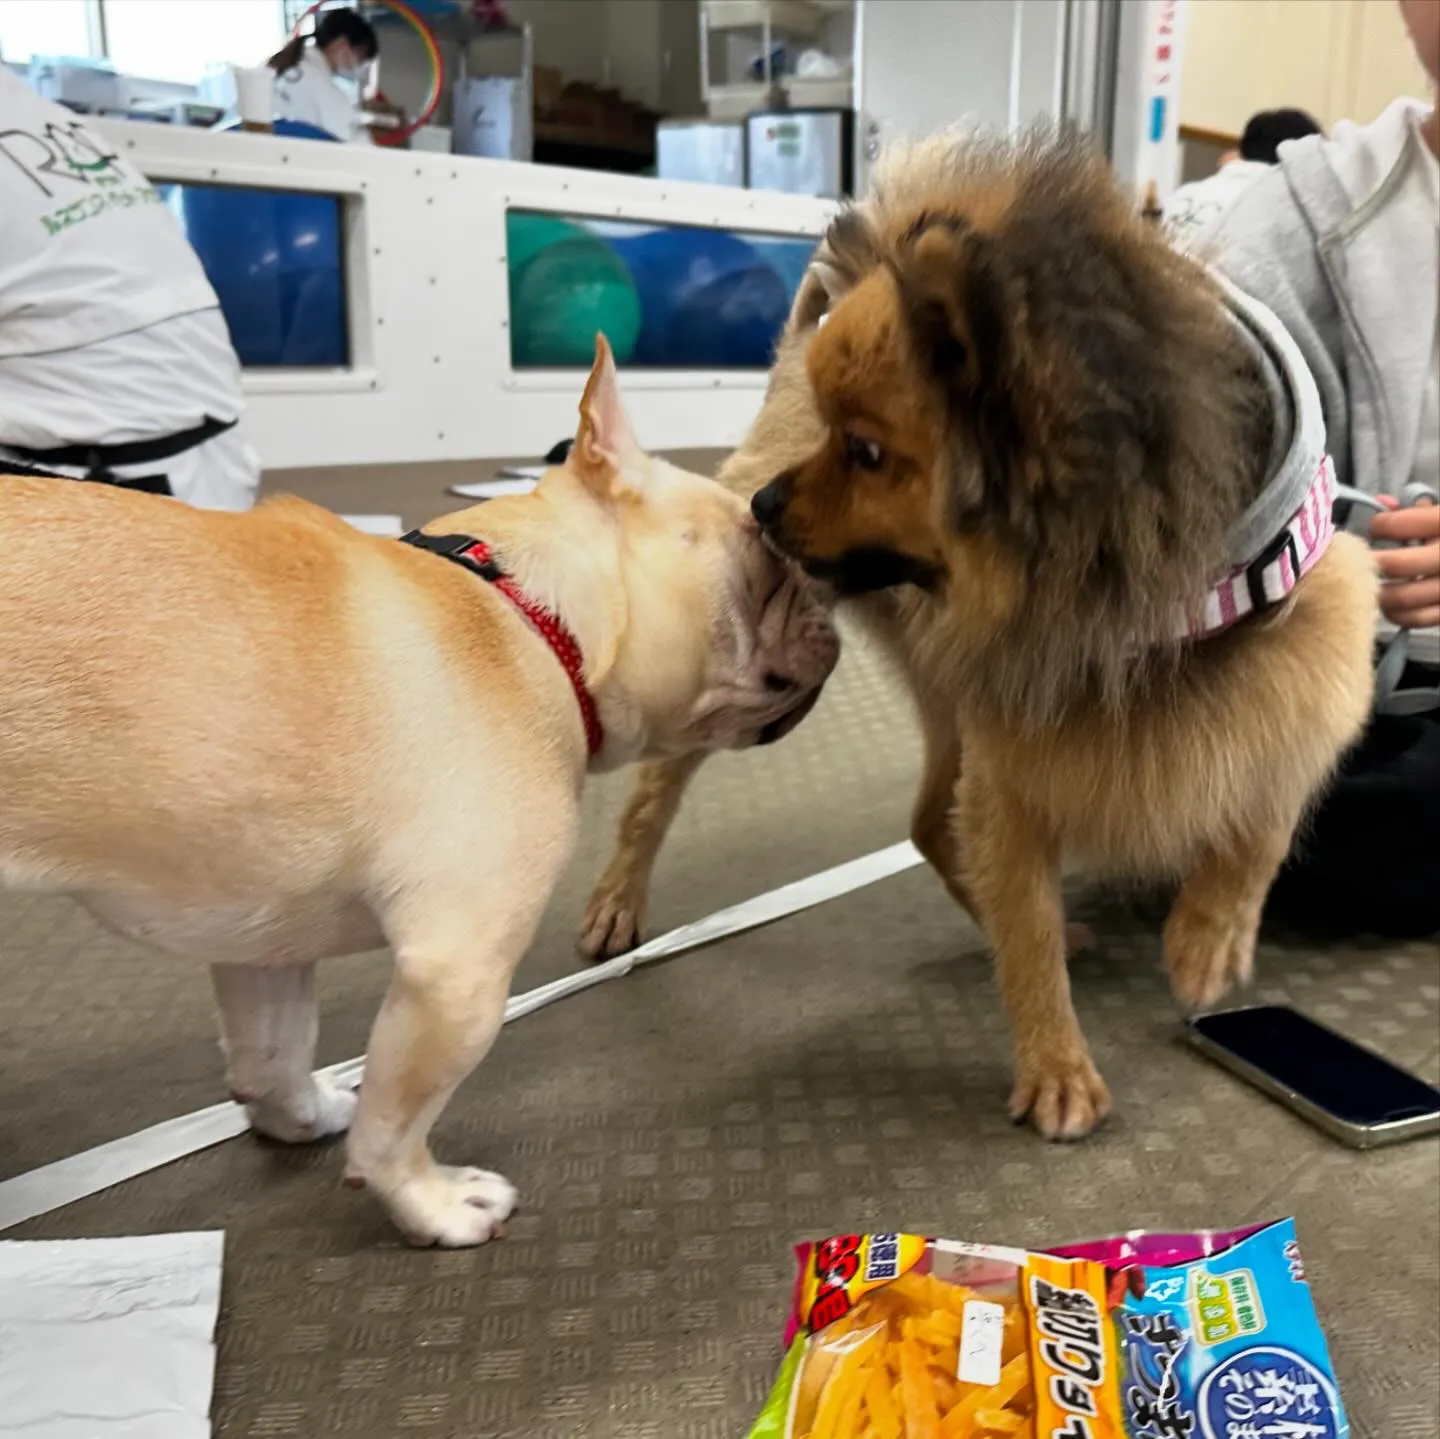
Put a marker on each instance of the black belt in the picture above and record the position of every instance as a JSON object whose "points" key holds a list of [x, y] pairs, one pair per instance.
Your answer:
{"points": [[102, 458], [145, 484]]}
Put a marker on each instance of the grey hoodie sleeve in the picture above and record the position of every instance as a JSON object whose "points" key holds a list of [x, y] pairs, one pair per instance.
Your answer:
{"points": [[1265, 245]]}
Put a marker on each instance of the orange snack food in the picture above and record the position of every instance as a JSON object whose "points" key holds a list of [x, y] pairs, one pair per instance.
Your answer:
{"points": [[893, 1336], [909, 1339]]}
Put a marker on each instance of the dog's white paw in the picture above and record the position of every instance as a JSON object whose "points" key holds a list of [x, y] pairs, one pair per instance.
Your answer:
{"points": [[318, 1112], [612, 923], [453, 1208], [1061, 1094], [1207, 954]]}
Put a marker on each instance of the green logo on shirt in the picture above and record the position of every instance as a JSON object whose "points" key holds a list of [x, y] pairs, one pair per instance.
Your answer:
{"points": [[58, 158]]}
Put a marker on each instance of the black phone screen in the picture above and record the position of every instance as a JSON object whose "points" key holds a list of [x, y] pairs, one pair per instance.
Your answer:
{"points": [[1320, 1065]]}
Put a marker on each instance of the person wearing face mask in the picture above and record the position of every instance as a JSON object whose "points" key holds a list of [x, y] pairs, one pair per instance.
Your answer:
{"points": [[307, 71]]}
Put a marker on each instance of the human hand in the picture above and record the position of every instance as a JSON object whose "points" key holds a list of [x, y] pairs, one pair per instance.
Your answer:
{"points": [[1410, 592]]}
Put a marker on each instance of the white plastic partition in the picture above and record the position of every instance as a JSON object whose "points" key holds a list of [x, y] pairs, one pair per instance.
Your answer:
{"points": [[430, 375]]}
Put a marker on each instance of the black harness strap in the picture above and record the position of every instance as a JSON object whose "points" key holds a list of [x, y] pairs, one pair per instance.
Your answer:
{"points": [[453, 547]]}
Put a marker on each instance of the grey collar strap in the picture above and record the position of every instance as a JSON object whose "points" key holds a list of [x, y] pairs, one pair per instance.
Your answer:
{"points": [[1294, 397]]}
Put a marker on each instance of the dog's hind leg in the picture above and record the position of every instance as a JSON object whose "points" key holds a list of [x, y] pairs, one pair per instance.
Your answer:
{"points": [[933, 820], [269, 1024], [1210, 934], [615, 916], [455, 955], [1013, 871]]}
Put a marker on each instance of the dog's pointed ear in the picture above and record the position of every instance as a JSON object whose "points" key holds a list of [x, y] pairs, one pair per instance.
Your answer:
{"points": [[604, 440], [952, 286], [850, 249], [959, 302]]}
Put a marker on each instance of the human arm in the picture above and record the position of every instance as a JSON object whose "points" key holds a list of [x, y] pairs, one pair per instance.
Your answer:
{"points": [[1410, 594]]}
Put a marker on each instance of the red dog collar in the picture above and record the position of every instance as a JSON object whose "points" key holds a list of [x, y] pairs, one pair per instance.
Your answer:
{"points": [[477, 557]]}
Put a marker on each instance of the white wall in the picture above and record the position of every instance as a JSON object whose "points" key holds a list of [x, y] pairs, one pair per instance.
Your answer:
{"points": [[680, 58], [652, 53], [569, 34], [431, 376], [632, 49], [1338, 59], [648, 49], [923, 65]]}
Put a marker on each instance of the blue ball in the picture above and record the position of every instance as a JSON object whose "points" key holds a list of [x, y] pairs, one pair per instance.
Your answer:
{"points": [[275, 260], [708, 299]]}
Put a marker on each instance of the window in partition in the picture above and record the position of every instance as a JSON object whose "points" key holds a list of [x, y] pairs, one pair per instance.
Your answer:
{"points": [[277, 261], [665, 296]]}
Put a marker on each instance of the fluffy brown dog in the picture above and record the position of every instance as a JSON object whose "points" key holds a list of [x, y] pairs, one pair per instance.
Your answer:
{"points": [[1027, 433]]}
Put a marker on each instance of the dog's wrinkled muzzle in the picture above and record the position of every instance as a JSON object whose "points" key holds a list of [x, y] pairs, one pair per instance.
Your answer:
{"points": [[779, 728], [798, 647]]}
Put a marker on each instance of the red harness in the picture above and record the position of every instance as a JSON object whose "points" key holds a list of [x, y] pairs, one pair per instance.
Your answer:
{"points": [[477, 557]]}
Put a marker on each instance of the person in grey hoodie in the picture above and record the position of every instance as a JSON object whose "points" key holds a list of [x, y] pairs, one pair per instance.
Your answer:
{"points": [[1342, 242]]}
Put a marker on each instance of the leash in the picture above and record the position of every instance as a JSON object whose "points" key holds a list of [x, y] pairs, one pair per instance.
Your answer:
{"points": [[1390, 699]]}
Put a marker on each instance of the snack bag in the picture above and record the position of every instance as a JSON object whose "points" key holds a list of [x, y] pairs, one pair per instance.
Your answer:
{"points": [[1204, 1336]]}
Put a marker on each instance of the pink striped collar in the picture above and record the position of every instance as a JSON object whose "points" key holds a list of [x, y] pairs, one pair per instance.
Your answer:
{"points": [[1270, 577]]}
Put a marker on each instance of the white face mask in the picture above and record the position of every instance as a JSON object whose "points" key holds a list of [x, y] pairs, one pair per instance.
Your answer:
{"points": [[352, 70]]}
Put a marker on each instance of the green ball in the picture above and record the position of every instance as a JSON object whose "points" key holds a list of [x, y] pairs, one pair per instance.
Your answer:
{"points": [[526, 234], [566, 286]]}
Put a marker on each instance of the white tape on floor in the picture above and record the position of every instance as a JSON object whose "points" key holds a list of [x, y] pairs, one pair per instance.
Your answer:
{"points": [[53, 1186]]}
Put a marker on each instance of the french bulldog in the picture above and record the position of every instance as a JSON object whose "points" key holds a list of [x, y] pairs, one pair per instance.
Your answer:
{"points": [[263, 739]]}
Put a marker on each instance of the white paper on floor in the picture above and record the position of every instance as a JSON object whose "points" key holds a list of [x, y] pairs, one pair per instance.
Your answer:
{"points": [[387, 526], [109, 1338], [507, 482]]}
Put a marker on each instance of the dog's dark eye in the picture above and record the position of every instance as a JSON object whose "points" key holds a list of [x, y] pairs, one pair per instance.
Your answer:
{"points": [[863, 454]]}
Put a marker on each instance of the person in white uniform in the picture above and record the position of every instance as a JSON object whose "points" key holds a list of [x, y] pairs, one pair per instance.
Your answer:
{"points": [[307, 74], [1194, 209], [115, 360]]}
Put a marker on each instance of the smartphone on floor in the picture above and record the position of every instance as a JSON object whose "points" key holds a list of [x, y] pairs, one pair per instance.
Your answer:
{"points": [[1349, 1091]]}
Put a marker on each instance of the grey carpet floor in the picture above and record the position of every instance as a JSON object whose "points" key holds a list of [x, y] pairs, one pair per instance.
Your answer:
{"points": [[674, 1133]]}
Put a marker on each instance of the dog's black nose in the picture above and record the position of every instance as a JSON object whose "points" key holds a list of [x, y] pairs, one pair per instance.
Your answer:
{"points": [[767, 504]]}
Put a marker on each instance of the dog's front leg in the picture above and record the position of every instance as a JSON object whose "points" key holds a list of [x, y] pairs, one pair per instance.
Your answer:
{"points": [[269, 1024], [444, 1007], [934, 827], [1013, 870], [615, 916]]}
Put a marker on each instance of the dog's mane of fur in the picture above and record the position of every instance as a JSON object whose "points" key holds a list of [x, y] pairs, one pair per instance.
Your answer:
{"points": [[1139, 433]]}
